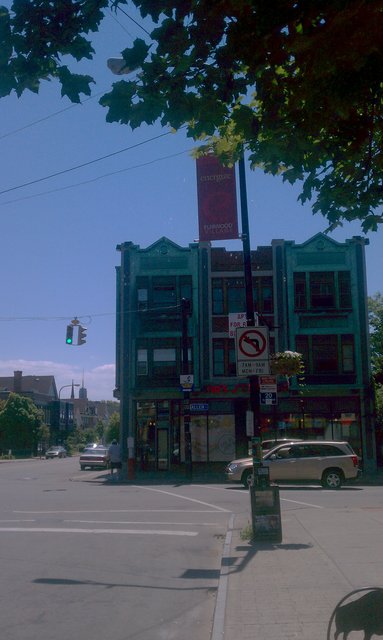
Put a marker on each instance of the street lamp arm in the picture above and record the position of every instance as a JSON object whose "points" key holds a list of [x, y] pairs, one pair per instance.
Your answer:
{"points": [[66, 386]]}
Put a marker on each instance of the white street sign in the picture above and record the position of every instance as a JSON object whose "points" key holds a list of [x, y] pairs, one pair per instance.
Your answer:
{"points": [[186, 382], [238, 320], [252, 349], [267, 397], [268, 384]]}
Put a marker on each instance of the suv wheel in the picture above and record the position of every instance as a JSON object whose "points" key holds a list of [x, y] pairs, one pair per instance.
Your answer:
{"points": [[332, 479]]}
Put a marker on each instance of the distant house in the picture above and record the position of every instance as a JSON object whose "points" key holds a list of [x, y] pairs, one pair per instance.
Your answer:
{"points": [[89, 413], [42, 390]]}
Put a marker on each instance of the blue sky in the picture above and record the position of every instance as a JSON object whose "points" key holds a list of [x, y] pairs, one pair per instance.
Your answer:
{"points": [[59, 235]]}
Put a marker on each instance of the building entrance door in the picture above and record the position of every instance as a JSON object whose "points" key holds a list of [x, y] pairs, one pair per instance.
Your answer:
{"points": [[162, 449]]}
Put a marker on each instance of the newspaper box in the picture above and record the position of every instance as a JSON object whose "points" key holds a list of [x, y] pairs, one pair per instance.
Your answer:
{"points": [[266, 513]]}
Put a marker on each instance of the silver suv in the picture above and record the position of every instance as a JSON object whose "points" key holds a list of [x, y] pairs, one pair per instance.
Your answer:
{"points": [[328, 462]]}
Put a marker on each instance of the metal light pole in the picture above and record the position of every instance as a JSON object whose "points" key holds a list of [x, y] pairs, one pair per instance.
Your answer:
{"points": [[185, 312], [259, 513], [253, 380]]}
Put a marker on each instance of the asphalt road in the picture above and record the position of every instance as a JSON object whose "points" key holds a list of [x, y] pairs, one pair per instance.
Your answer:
{"points": [[86, 559]]}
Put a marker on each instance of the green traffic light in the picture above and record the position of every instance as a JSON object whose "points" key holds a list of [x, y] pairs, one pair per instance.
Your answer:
{"points": [[69, 334]]}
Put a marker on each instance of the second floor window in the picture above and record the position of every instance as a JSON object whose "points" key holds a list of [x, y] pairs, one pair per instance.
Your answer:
{"points": [[229, 295], [164, 292], [164, 362], [224, 360], [322, 290], [327, 354], [319, 290], [161, 358]]}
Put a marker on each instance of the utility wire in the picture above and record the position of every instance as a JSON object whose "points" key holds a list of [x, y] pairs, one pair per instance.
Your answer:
{"points": [[85, 164], [88, 315], [135, 22], [51, 115], [111, 14], [105, 175]]}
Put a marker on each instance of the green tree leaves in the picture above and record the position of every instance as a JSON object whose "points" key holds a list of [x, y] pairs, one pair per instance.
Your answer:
{"points": [[20, 424], [375, 316], [299, 85]]}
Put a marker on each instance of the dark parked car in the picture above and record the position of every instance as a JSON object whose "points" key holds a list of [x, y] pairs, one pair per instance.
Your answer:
{"points": [[94, 458], [56, 452]]}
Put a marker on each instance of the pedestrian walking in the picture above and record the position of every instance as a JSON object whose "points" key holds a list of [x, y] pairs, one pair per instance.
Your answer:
{"points": [[115, 459]]}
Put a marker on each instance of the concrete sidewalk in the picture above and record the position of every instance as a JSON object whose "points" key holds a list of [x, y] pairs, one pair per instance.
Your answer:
{"points": [[290, 590]]}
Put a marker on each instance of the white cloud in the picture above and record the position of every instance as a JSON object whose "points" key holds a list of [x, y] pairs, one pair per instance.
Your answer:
{"points": [[99, 381]]}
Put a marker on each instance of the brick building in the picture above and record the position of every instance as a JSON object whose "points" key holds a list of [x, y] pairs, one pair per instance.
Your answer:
{"points": [[313, 298]]}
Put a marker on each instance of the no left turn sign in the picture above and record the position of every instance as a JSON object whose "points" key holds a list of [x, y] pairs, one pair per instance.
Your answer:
{"points": [[252, 349], [252, 343]]}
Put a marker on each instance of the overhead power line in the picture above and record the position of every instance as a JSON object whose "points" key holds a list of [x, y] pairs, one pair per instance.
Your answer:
{"points": [[51, 115], [85, 164], [89, 316], [135, 21], [84, 182]]}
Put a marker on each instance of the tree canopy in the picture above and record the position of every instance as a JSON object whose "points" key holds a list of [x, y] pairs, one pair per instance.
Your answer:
{"points": [[375, 313], [296, 83], [20, 424]]}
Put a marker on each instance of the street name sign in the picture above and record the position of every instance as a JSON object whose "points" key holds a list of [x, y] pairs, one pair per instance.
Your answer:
{"points": [[199, 407]]}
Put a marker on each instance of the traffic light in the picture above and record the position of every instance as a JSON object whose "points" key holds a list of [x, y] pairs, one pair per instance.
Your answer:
{"points": [[81, 338], [69, 334]]}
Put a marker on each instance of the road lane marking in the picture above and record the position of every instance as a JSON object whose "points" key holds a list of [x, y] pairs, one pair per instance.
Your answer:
{"points": [[155, 532], [18, 520], [177, 495], [305, 504], [214, 510], [189, 524]]}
